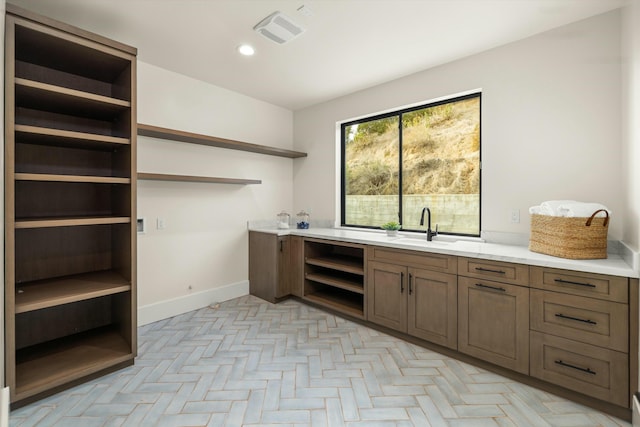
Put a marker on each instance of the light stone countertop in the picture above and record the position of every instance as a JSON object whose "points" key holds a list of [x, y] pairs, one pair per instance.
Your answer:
{"points": [[613, 265]]}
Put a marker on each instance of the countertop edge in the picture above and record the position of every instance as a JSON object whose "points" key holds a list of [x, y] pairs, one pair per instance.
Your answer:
{"points": [[614, 265]]}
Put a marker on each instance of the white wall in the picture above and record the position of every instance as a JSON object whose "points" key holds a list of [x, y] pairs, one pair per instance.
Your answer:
{"points": [[204, 244], [551, 108], [630, 122]]}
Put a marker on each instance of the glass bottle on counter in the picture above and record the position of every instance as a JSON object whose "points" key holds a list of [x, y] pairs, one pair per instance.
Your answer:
{"points": [[302, 220]]}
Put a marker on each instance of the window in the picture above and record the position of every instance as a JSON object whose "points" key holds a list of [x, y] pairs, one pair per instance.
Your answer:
{"points": [[395, 164]]}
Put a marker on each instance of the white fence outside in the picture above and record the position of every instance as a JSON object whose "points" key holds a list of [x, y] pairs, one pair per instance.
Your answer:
{"points": [[457, 213]]}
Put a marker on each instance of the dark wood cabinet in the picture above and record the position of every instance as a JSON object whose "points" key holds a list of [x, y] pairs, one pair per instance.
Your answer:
{"points": [[493, 322], [70, 198], [270, 266], [418, 301]]}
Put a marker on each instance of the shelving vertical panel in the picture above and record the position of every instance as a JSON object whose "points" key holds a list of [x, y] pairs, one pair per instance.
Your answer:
{"points": [[70, 129]]}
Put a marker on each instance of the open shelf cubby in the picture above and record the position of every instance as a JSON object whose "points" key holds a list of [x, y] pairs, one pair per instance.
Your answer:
{"points": [[334, 276]]}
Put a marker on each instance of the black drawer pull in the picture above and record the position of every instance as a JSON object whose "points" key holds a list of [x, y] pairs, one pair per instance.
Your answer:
{"points": [[578, 368], [488, 270], [495, 288], [577, 319], [569, 282], [401, 282]]}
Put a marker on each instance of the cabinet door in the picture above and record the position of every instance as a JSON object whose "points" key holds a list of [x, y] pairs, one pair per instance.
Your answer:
{"points": [[433, 307], [387, 295], [296, 275], [493, 322], [263, 265], [283, 278]]}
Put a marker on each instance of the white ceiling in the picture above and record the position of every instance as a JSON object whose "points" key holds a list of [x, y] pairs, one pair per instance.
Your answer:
{"points": [[348, 44]]}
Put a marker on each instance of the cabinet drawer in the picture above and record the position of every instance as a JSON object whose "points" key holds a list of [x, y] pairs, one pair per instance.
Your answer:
{"points": [[518, 274], [611, 288], [418, 259], [594, 371], [588, 320]]}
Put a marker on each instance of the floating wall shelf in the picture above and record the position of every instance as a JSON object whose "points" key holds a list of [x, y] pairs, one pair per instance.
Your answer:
{"points": [[191, 178], [212, 141]]}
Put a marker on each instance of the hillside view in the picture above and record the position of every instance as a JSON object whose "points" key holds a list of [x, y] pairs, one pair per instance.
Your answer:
{"points": [[440, 152]]}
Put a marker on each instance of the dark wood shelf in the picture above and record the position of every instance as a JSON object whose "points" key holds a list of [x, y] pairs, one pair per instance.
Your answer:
{"points": [[71, 178], [59, 362], [43, 96], [346, 264], [63, 290], [70, 222], [212, 141], [37, 135], [336, 282], [347, 302], [191, 178]]}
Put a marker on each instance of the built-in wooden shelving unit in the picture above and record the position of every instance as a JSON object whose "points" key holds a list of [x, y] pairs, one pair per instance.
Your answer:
{"points": [[213, 141], [334, 276], [70, 199], [191, 178]]}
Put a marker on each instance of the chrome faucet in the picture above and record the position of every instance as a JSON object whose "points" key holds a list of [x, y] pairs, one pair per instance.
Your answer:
{"points": [[430, 233]]}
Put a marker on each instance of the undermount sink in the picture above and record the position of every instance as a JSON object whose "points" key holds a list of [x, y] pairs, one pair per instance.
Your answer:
{"points": [[423, 242]]}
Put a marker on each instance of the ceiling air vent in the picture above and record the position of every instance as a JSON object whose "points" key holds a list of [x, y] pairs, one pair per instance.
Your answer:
{"points": [[279, 28]]}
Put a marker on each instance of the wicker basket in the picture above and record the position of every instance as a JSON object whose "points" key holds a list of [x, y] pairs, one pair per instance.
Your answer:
{"points": [[573, 238]]}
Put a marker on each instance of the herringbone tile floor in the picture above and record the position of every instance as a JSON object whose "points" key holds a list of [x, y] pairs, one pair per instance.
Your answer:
{"points": [[251, 363]]}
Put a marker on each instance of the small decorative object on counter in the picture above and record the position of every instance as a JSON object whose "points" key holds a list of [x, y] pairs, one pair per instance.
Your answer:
{"points": [[391, 227], [302, 220], [283, 220]]}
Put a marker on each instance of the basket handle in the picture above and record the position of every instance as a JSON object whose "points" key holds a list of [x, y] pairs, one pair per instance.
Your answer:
{"points": [[606, 220]]}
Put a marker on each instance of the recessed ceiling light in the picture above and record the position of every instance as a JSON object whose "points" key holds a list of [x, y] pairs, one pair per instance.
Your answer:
{"points": [[246, 50]]}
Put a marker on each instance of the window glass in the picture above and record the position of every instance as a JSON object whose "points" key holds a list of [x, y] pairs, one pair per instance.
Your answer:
{"points": [[392, 171]]}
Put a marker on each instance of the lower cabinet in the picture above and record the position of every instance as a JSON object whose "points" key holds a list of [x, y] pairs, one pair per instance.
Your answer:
{"points": [[413, 300], [493, 322], [270, 258]]}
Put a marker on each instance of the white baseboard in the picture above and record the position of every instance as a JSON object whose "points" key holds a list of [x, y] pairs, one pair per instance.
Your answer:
{"points": [[635, 415], [164, 309]]}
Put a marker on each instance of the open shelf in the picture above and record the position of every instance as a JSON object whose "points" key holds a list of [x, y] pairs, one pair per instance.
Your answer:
{"points": [[334, 275], [346, 264], [346, 302], [43, 96], [191, 178], [51, 292], [48, 136], [213, 141], [70, 222], [52, 364], [336, 282], [71, 178]]}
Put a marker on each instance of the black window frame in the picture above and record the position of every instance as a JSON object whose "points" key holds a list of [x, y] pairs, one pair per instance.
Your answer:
{"points": [[398, 113]]}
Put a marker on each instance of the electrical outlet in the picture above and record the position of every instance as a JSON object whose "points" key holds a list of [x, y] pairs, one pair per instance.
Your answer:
{"points": [[160, 225], [515, 216]]}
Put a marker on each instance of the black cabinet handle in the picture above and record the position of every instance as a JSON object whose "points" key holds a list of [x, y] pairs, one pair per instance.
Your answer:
{"points": [[569, 282], [281, 245], [495, 288], [488, 270], [577, 319], [401, 282], [410, 283], [577, 368]]}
